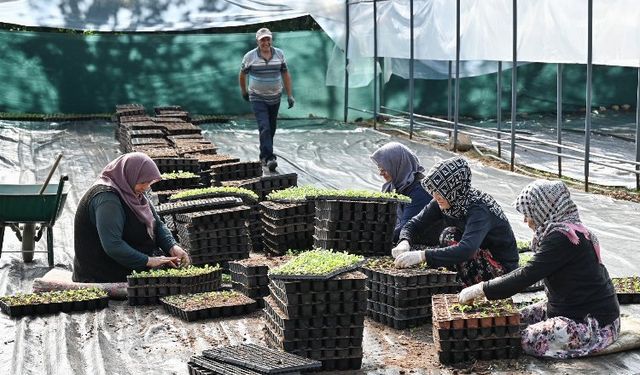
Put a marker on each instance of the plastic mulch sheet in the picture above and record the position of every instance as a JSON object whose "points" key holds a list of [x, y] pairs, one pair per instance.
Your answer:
{"points": [[146, 340]]}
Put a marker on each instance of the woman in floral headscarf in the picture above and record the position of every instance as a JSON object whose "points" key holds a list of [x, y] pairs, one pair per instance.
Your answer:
{"points": [[581, 315], [402, 173], [482, 245], [116, 229]]}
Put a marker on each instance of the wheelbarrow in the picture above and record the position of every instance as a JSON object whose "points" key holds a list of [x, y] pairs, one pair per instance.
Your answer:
{"points": [[30, 209]]}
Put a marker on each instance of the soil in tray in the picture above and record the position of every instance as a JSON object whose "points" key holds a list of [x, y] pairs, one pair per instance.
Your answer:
{"points": [[385, 265], [209, 305], [54, 302]]}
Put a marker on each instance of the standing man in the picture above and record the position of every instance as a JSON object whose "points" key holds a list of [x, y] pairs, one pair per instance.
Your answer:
{"points": [[267, 71]]}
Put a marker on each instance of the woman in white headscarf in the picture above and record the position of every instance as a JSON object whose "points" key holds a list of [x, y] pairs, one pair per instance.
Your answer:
{"points": [[402, 173], [581, 315]]}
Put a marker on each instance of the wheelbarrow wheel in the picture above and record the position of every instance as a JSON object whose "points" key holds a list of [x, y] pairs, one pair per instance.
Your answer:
{"points": [[28, 242]]}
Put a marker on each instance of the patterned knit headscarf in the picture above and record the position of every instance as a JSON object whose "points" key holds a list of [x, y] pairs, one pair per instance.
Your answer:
{"points": [[451, 178], [549, 205]]}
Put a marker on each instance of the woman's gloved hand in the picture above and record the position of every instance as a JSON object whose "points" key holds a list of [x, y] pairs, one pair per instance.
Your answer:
{"points": [[468, 294], [402, 247], [410, 258]]}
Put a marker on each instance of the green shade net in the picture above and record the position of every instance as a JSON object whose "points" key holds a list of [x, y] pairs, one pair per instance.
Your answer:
{"points": [[51, 72]]}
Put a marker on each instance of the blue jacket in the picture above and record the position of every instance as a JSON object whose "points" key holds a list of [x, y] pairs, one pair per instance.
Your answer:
{"points": [[419, 200]]}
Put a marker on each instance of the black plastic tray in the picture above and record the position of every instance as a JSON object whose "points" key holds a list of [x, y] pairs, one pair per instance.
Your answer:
{"points": [[262, 359], [318, 277]]}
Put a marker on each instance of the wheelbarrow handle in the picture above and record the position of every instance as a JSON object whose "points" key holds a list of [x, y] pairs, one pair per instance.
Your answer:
{"points": [[53, 168]]}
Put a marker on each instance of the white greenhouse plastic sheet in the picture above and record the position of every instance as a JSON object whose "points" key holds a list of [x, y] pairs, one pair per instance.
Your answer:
{"points": [[125, 340]]}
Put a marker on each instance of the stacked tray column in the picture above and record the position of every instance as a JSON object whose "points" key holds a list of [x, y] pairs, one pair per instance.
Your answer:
{"points": [[287, 226], [319, 319]]}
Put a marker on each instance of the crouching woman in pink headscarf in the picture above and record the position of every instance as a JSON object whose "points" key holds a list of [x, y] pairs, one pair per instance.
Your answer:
{"points": [[581, 315], [116, 230]]}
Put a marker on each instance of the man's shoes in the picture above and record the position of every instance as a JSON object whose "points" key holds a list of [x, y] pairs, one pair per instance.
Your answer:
{"points": [[272, 164]]}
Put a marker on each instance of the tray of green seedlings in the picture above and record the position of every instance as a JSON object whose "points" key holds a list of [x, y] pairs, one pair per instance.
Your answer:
{"points": [[627, 289], [177, 180], [208, 305], [524, 260], [247, 196], [54, 302], [310, 192], [523, 246], [317, 264], [147, 287]]}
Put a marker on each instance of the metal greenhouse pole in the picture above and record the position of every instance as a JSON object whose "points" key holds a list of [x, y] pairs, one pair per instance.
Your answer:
{"points": [[587, 114], [375, 62], [499, 106], [411, 79], [449, 108], [559, 116], [457, 97], [514, 82], [346, 62], [638, 132]]}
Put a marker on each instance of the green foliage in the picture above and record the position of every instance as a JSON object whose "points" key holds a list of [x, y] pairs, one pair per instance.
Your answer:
{"points": [[524, 259], [501, 307], [176, 272], [57, 296], [184, 301], [300, 193], [213, 191], [626, 284], [226, 278], [317, 262], [523, 245], [177, 175]]}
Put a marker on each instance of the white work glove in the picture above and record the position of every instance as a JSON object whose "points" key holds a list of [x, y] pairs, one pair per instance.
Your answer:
{"points": [[468, 294], [400, 248], [410, 258]]}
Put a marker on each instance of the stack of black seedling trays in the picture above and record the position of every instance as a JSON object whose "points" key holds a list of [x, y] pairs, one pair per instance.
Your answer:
{"points": [[128, 110], [235, 171], [169, 210], [254, 225], [318, 319], [215, 236], [168, 165], [149, 290], [206, 162], [287, 225], [362, 226], [250, 359], [401, 298], [468, 336], [264, 185], [189, 150], [249, 276]]}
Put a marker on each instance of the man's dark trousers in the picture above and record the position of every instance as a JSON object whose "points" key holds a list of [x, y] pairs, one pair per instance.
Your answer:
{"points": [[266, 115]]}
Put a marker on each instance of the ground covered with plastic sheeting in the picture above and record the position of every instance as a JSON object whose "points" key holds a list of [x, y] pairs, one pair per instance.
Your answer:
{"points": [[145, 340]]}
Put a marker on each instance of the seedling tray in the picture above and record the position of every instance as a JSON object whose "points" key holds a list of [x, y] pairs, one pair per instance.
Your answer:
{"points": [[213, 276], [326, 276], [399, 302], [197, 149], [310, 310], [238, 304], [278, 210], [450, 357], [294, 299], [256, 293], [197, 205], [250, 281], [262, 359], [359, 226], [216, 368], [400, 313], [351, 281], [206, 162], [627, 289], [382, 270], [236, 171], [214, 217], [167, 165], [317, 349], [264, 185], [289, 335], [279, 317], [40, 304]]}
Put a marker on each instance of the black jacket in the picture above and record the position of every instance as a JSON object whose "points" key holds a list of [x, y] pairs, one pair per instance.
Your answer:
{"points": [[480, 229], [576, 284]]}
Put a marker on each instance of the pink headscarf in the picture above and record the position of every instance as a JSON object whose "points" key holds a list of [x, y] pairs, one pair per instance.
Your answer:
{"points": [[123, 174]]}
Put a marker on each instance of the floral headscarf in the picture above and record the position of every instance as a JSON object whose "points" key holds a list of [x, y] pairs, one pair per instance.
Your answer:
{"points": [[451, 178], [549, 205]]}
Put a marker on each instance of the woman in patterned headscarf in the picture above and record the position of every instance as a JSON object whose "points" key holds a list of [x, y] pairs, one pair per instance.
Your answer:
{"points": [[485, 246], [402, 172], [581, 315], [116, 229]]}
